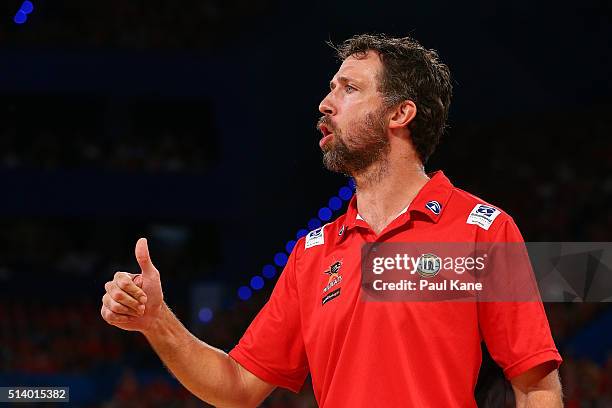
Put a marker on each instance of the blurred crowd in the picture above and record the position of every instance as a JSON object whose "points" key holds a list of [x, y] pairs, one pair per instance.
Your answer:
{"points": [[552, 175], [69, 132], [43, 338], [587, 384], [68, 337], [88, 249], [163, 152]]}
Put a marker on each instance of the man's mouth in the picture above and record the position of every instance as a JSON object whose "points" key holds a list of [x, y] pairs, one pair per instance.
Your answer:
{"points": [[327, 135]]}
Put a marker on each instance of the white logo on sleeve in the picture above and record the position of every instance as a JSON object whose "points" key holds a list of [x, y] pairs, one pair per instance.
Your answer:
{"points": [[483, 216], [314, 238]]}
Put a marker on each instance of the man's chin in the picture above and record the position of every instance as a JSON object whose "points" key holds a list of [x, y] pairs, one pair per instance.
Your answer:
{"points": [[333, 164]]}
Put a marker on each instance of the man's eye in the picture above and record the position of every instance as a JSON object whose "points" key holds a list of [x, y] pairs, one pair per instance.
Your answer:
{"points": [[349, 89]]}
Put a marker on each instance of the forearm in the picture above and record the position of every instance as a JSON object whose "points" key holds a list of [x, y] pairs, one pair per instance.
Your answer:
{"points": [[544, 399], [207, 372], [539, 399], [546, 393]]}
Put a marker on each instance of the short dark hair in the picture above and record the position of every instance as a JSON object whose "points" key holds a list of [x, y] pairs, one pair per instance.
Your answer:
{"points": [[410, 72]]}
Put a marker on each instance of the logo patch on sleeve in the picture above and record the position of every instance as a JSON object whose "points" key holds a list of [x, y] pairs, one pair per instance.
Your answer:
{"points": [[483, 216], [314, 238]]}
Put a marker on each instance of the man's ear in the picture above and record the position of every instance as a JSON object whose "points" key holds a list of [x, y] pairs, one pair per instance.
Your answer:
{"points": [[402, 115]]}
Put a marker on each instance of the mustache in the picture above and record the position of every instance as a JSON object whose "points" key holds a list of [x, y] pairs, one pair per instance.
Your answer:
{"points": [[325, 121]]}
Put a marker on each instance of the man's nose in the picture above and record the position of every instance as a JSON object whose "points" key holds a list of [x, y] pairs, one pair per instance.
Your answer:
{"points": [[326, 106]]}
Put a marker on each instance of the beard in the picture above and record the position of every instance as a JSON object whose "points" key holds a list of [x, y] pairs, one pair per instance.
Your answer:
{"points": [[364, 143]]}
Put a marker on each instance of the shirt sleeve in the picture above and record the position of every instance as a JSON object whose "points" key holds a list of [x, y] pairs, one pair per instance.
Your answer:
{"points": [[272, 348], [516, 333]]}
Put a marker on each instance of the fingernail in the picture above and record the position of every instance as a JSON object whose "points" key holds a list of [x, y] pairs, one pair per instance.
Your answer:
{"points": [[141, 309], [143, 299]]}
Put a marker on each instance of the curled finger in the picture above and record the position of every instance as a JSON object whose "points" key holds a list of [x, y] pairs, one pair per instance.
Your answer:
{"points": [[118, 308], [123, 298]]}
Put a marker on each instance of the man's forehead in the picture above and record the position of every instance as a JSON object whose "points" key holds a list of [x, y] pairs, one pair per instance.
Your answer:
{"points": [[362, 67]]}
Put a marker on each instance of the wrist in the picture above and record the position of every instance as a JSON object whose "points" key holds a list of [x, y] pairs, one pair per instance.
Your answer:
{"points": [[158, 322]]}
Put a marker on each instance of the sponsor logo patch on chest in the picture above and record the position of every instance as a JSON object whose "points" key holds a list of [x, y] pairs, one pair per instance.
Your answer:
{"points": [[330, 296], [314, 238]]}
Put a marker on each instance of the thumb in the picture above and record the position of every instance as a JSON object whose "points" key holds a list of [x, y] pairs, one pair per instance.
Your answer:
{"points": [[143, 258]]}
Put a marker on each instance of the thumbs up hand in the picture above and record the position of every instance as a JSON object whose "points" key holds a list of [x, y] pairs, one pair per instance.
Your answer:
{"points": [[133, 301]]}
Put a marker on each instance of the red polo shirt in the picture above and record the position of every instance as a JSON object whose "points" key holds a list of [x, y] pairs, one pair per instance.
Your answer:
{"points": [[390, 354]]}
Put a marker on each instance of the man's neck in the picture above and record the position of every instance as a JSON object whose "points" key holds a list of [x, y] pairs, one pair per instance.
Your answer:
{"points": [[386, 188]]}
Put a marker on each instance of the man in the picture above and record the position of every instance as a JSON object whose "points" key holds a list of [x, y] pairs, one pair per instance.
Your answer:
{"points": [[382, 119]]}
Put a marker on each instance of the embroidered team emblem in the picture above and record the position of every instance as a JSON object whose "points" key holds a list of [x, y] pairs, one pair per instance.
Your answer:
{"points": [[334, 271], [334, 279]]}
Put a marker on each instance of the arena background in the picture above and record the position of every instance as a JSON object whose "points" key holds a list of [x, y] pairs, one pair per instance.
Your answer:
{"points": [[192, 123]]}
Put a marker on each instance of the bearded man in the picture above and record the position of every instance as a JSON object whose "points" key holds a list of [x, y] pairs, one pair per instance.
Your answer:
{"points": [[382, 119]]}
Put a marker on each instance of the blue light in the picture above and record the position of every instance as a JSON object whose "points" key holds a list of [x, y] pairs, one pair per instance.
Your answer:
{"points": [[269, 271], [205, 314], [20, 17], [314, 223], [335, 203], [345, 193], [257, 282], [280, 259], [244, 292], [325, 214], [290, 245], [27, 7]]}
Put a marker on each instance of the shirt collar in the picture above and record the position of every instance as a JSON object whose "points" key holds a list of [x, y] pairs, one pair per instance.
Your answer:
{"points": [[431, 201]]}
